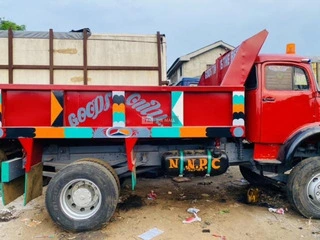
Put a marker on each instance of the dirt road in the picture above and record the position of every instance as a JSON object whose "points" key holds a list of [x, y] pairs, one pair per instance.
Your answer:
{"points": [[221, 200]]}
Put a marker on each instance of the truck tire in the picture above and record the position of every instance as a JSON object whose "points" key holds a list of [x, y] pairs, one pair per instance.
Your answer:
{"points": [[106, 165], [252, 177], [303, 187], [296, 170], [82, 196]]}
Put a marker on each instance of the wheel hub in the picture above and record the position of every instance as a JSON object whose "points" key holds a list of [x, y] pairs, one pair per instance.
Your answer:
{"points": [[313, 190], [80, 199], [82, 196]]}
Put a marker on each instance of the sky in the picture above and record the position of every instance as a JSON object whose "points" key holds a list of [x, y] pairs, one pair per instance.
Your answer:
{"points": [[187, 24]]}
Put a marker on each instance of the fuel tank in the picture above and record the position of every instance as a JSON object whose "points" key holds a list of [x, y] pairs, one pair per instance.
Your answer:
{"points": [[196, 162]]}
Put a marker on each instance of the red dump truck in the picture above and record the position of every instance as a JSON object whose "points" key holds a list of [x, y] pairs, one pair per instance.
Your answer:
{"points": [[260, 112]]}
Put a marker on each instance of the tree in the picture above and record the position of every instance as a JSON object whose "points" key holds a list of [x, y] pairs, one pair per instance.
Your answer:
{"points": [[5, 25]]}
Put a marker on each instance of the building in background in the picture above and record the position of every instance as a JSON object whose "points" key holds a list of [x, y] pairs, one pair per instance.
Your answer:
{"points": [[315, 61], [193, 64]]}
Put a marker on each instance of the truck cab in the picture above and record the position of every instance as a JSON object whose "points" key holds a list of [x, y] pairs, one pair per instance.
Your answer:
{"points": [[282, 120], [282, 124], [282, 100]]}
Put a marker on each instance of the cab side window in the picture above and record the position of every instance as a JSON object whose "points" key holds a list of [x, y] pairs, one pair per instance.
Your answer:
{"points": [[251, 82], [281, 77]]}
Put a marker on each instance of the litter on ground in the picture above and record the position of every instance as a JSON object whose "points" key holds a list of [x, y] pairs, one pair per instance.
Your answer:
{"points": [[150, 234]]}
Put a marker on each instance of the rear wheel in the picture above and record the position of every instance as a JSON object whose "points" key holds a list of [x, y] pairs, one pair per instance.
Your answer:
{"points": [[82, 196], [303, 187], [106, 165]]}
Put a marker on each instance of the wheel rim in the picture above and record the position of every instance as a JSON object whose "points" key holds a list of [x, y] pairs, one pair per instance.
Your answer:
{"points": [[80, 199], [313, 190]]}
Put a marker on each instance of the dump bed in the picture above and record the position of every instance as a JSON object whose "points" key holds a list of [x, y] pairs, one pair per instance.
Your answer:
{"points": [[120, 112], [214, 110]]}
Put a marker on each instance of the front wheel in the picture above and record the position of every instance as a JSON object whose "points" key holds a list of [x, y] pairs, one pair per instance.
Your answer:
{"points": [[303, 187], [82, 196]]}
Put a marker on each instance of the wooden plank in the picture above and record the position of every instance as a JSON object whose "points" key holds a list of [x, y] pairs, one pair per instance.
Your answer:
{"points": [[11, 169], [33, 183], [12, 190]]}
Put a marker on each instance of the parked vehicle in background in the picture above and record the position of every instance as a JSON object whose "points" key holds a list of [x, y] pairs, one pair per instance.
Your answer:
{"points": [[186, 81]]}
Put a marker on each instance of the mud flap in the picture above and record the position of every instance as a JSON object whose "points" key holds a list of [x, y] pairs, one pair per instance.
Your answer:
{"points": [[23, 175], [14, 183], [33, 167], [12, 190], [12, 179], [130, 143], [33, 183]]}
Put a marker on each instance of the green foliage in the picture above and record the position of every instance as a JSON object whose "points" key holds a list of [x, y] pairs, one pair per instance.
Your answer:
{"points": [[5, 25]]}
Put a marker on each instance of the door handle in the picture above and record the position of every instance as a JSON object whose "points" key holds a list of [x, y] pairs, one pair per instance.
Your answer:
{"points": [[268, 99]]}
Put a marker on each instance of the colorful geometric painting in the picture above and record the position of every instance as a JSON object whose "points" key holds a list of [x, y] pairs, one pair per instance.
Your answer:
{"points": [[118, 109], [57, 108], [238, 113], [177, 108], [117, 127]]}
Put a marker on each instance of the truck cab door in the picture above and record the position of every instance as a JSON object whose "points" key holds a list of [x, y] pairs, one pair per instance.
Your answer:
{"points": [[287, 101]]}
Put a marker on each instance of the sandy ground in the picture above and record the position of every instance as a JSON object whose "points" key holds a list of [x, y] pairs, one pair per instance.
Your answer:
{"points": [[221, 200]]}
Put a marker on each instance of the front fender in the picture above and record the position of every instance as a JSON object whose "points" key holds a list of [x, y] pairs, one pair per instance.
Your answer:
{"points": [[287, 150]]}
